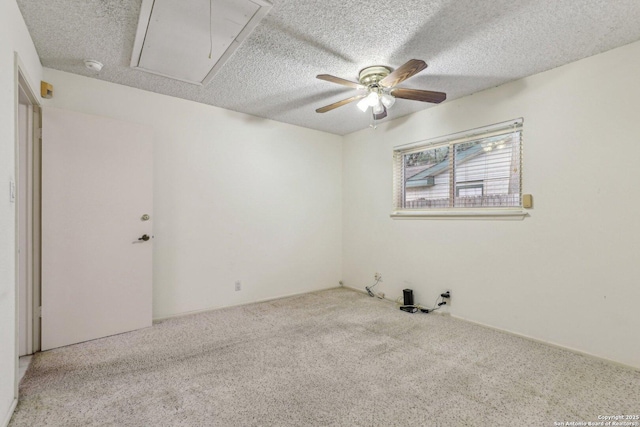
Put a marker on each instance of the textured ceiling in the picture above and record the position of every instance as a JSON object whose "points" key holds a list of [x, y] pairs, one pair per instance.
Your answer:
{"points": [[470, 45]]}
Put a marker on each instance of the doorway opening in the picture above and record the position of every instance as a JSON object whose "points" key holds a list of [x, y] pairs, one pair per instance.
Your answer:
{"points": [[27, 205]]}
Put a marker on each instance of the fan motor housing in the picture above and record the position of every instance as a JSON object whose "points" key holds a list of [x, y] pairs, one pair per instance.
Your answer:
{"points": [[372, 75]]}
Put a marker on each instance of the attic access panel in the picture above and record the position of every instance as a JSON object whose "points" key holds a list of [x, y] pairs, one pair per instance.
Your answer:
{"points": [[174, 37]]}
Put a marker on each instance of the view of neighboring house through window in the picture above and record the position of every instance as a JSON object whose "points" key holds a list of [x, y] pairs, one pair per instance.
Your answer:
{"points": [[476, 169]]}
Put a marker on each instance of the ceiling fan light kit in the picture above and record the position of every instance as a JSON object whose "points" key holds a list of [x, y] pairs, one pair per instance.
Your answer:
{"points": [[387, 100], [380, 84]]}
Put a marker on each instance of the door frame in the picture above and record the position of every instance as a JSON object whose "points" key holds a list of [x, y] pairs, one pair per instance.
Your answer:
{"points": [[23, 83]]}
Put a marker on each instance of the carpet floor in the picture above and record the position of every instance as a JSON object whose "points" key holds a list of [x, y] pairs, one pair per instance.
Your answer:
{"points": [[329, 358]]}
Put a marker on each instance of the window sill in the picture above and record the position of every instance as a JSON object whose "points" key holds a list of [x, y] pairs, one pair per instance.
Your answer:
{"points": [[486, 213]]}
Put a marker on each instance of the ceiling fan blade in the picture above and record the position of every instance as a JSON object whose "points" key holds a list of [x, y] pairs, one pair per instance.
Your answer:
{"points": [[338, 80], [339, 103], [409, 69], [419, 95], [381, 115]]}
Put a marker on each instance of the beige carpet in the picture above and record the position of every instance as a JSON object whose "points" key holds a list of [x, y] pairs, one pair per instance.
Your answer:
{"points": [[330, 358]]}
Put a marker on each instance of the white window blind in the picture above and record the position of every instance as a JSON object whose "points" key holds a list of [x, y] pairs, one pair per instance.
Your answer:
{"points": [[475, 169]]}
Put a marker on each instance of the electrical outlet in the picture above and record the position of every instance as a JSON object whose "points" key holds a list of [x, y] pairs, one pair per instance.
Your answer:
{"points": [[377, 276], [238, 285]]}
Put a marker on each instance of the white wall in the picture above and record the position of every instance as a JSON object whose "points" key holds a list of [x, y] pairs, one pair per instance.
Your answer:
{"points": [[236, 197], [568, 274], [13, 38]]}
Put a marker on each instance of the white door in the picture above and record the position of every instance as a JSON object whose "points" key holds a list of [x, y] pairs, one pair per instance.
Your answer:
{"points": [[96, 188]]}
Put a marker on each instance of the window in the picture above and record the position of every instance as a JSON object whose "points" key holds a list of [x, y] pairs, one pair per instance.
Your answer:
{"points": [[479, 170]]}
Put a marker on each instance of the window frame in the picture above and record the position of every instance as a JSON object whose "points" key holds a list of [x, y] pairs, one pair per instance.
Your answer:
{"points": [[491, 212]]}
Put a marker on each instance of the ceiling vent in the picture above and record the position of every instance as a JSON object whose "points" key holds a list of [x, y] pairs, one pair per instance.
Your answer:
{"points": [[191, 40]]}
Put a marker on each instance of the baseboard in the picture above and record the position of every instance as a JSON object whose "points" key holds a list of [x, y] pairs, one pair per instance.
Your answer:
{"points": [[551, 344], [12, 408], [204, 310], [363, 291]]}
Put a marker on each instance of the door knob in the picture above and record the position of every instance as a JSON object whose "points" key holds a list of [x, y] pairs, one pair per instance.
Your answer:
{"points": [[144, 237]]}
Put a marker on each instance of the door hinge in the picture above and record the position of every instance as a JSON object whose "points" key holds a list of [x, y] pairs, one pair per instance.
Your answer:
{"points": [[38, 312]]}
